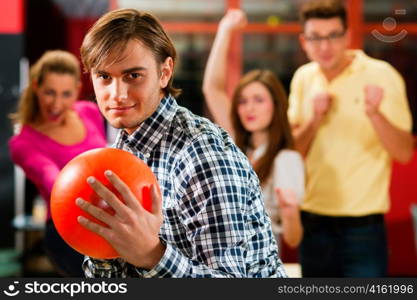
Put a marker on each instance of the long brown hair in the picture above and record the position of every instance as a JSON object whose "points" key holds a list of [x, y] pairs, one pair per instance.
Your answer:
{"points": [[279, 132], [54, 61], [111, 33]]}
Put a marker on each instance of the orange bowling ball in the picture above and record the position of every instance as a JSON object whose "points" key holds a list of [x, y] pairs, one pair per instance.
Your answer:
{"points": [[71, 183]]}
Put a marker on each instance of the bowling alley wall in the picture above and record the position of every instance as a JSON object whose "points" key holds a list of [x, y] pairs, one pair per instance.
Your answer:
{"points": [[11, 51]]}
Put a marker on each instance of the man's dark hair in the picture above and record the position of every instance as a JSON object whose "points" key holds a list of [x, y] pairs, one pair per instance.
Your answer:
{"points": [[323, 9]]}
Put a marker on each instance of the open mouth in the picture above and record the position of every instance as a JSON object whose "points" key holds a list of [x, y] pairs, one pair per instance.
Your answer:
{"points": [[53, 116]]}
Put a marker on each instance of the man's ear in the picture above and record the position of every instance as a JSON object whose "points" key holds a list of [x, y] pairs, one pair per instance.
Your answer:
{"points": [[167, 68], [348, 38], [302, 40]]}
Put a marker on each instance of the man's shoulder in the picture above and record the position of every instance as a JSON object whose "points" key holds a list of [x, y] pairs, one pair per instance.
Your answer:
{"points": [[202, 137], [305, 71], [194, 127], [308, 68], [377, 65]]}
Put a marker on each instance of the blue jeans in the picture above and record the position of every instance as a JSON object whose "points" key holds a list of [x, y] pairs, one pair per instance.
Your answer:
{"points": [[343, 246]]}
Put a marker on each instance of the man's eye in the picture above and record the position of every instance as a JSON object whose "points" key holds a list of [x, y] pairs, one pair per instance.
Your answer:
{"points": [[103, 76], [135, 75]]}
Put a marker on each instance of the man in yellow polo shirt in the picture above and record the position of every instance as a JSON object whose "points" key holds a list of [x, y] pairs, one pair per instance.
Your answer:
{"points": [[351, 118]]}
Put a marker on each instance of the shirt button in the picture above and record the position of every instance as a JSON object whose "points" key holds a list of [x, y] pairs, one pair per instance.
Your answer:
{"points": [[146, 155]]}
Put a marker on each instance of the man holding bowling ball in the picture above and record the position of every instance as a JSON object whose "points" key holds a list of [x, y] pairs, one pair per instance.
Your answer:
{"points": [[208, 219]]}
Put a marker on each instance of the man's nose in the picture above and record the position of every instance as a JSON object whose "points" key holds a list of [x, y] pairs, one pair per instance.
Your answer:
{"points": [[324, 44], [119, 90]]}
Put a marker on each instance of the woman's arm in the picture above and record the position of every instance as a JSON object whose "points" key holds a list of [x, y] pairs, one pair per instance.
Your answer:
{"points": [[292, 228], [39, 168], [214, 82], [289, 183]]}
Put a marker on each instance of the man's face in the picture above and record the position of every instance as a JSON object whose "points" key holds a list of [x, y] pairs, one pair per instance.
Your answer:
{"points": [[325, 42], [129, 90]]}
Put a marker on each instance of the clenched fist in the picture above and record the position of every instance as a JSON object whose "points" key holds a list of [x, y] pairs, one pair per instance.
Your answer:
{"points": [[322, 103], [373, 98], [233, 20]]}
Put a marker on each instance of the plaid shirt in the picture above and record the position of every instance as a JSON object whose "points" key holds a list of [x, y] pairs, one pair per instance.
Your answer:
{"points": [[215, 223]]}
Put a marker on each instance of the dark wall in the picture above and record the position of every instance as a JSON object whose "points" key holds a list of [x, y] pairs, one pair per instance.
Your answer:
{"points": [[10, 54], [44, 30]]}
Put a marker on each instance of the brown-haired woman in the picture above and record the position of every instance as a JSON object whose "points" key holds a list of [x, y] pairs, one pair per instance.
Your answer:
{"points": [[256, 117], [53, 127]]}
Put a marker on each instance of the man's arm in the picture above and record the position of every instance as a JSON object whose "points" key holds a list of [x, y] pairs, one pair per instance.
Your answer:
{"points": [[220, 207], [397, 142], [104, 268], [131, 231], [304, 134]]}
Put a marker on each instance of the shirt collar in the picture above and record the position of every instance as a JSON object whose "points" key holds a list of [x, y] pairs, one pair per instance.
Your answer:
{"points": [[359, 62], [150, 132]]}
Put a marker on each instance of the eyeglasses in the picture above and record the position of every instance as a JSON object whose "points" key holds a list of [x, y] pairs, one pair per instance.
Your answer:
{"points": [[333, 37]]}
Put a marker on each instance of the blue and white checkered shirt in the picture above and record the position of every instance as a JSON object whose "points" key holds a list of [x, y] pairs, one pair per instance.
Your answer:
{"points": [[215, 223]]}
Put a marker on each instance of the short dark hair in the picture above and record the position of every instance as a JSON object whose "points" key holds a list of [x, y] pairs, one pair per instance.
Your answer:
{"points": [[323, 9], [115, 29]]}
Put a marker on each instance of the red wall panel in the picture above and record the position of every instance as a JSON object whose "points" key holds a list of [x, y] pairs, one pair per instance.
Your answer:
{"points": [[401, 243], [11, 16]]}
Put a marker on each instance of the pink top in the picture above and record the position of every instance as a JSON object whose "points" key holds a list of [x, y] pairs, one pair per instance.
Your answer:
{"points": [[41, 157]]}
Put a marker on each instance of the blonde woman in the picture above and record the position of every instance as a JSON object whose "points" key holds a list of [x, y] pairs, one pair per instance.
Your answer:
{"points": [[53, 128]]}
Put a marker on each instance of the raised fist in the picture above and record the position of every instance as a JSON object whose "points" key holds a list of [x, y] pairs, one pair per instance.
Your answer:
{"points": [[234, 19], [373, 98]]}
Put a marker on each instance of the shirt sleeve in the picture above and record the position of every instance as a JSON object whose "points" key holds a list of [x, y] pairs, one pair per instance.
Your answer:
{"points": [[295, 99], [105, 268], [38, 167], [220, 204], [289, 173], [395, 104]]}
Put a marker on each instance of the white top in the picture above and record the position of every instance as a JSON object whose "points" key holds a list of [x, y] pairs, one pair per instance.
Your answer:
{"points": [[287, 173]]}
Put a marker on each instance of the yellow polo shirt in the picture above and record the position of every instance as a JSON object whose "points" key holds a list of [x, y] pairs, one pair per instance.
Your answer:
{"points": [[348, 169]]}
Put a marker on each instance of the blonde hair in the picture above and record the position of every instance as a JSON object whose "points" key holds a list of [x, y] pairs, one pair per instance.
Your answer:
{"points": [[54, 61], [111, 33]]}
